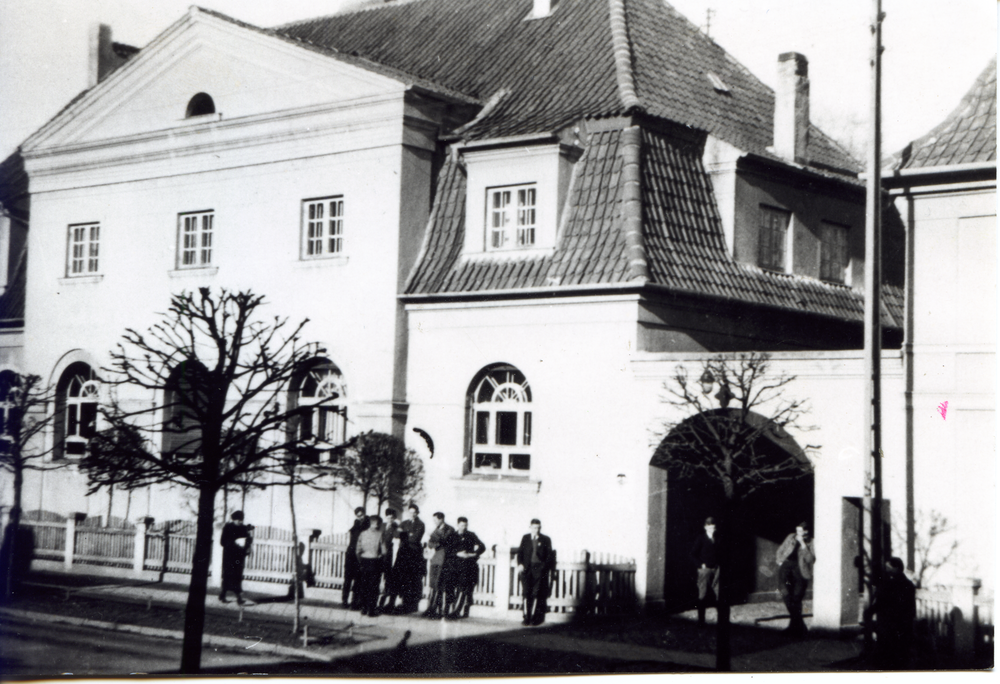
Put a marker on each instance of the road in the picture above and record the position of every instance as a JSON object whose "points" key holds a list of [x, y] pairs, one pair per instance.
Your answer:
{"points": [[34, 649]]}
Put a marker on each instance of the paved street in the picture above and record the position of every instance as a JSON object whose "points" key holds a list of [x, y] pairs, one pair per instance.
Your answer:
{"points": [[36, 649]]}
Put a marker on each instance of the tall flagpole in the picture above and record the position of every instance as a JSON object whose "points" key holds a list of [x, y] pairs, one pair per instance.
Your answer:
{"points": [[873, 306]]}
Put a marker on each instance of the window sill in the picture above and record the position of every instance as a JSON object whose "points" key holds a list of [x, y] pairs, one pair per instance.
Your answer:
{"points": [[509, 254], [308, 263], [524, 483], [81, 280], [193, 272]]}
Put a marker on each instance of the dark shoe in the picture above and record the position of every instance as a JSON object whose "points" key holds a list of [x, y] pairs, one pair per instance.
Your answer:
{"points": [[537, 622], [526, 623], [223, 599]]}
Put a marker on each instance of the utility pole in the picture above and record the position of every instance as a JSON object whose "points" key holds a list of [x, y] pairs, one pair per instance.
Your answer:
{"points": [[708, 21], [873, 321]]}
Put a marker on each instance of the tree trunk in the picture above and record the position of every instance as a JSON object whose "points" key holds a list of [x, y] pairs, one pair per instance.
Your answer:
{"points": [[10, 534], [194, 614], [297, 565], [111, 500]]}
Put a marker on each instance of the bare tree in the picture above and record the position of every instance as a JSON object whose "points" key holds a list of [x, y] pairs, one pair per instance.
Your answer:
{"points": [[931, 549], [24, 416], [223, 372], [379, 466], [731, 445]]}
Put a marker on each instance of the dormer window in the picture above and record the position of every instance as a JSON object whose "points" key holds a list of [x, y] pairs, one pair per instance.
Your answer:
{"points": [[512, 217], [199, 105], [515, 195], [772, 237]]}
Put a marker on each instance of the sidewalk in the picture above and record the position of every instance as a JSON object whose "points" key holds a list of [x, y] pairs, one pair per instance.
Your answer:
{"points": [[649, 643]]}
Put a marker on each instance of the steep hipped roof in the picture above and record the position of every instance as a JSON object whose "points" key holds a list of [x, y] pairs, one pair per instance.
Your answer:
{"points": [[589, 58], [968, 135], [682, 230]]}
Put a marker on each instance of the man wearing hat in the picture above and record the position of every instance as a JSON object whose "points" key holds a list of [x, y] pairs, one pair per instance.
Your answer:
{"points": [[535, 562], [706, 559]]}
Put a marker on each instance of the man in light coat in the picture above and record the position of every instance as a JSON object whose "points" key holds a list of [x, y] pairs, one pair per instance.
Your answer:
{"points": [[795, 557]]}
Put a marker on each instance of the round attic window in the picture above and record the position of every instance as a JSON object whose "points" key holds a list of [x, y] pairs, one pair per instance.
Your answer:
{"points": [[199, 105]]}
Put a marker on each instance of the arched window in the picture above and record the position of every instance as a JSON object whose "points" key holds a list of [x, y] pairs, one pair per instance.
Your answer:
{"points": [[321, 420], [8, 428], [183, 402], [200, 104], [77, 396], [499, 424]]}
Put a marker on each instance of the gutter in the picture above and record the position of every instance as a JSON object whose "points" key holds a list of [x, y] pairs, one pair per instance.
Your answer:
{"points": [[932, 175]]}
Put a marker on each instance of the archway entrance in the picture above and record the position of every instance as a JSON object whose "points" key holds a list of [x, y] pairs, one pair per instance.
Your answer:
{"points": [[759, 525]]}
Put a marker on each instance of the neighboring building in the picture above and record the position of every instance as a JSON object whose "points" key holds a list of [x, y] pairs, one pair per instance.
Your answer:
{"points": [[506, 220], [945, 189], [15, 210]]}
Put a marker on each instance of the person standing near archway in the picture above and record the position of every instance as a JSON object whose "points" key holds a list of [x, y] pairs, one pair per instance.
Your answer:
{"points": [[795, 557], [706, 559]]}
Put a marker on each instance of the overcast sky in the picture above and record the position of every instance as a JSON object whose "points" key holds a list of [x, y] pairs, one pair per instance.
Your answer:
{"points": [[934, 49]]}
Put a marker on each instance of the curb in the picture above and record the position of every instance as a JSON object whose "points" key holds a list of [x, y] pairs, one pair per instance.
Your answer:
{"points": [[209, 640]]}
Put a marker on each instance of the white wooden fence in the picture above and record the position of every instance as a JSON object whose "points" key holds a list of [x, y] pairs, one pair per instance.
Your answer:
{"points": [[584, 582], [957, 619]]}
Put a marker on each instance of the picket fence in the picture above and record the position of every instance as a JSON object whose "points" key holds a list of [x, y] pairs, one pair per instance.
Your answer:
{"points": [[957, 620], [584, 582]]}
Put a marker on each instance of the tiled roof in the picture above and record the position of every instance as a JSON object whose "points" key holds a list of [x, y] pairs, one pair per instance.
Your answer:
{"points": [[684, 242], [968, 135], [590, 58]]}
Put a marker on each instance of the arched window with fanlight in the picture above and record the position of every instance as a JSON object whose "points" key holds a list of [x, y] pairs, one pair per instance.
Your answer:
{"points": [[319, 395], [499, 422], [77, 398], [9, 383]]}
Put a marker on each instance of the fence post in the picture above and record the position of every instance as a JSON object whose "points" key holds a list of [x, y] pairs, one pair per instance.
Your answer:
{"points": [[139, 552], [963, 598], [5, 517], [71, 521], [501, 581], [215, 578], [589, 582]]}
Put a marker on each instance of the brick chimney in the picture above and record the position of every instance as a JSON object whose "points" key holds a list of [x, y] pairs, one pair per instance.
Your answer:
{"points": [[102, 55], [791, 108]]}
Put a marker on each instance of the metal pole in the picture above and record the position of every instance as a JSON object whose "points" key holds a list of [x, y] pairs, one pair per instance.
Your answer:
{"points": [[873, 306]]}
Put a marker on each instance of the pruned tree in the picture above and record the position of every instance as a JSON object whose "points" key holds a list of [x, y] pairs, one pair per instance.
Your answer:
{"points": [[379, 466], [931, 547], [731, 442], [24, 417], [222, 371]]}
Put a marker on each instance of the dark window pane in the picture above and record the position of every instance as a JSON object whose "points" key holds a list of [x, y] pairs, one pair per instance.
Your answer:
{"points": [[76, 448], [520, 462], [482, 427], [309, 455], [306, 424], [88, 420], [3, 421], [488, 461], [527, 429], [72, 423], [506, 427]]}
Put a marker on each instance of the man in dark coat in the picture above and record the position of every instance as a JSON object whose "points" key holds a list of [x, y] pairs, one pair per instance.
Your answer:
{"points": [[895, 605], [536, 561], [235, 542], [351, 565], [436, 548], [390, 539], [706, 560], [410, 565], [460, 572]]}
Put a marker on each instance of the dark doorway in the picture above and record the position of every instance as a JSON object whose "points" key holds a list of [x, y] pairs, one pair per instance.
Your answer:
{"points": [[757, 528]]}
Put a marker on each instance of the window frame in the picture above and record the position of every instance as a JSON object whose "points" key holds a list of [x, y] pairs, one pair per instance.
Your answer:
{"points": [[515, 228], [72, 426], [767, 244], [500, 428], [324, 425], [828, 250], [327, 239], [89, 249], [199, 248]]}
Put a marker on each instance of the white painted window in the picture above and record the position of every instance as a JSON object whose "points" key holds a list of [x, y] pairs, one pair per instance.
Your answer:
{"points": [[834, 257], [512, 217], [322, 227], [772, 237], [9, 419], [77, 397], [195, 238], [83, 250], [500, 422], [321, 421]]}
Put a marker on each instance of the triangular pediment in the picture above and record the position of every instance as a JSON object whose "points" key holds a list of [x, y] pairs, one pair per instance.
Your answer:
{"points": [[247, 72]]}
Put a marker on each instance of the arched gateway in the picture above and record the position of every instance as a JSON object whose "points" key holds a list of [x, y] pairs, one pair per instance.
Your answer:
{"points": [[760, 523]]}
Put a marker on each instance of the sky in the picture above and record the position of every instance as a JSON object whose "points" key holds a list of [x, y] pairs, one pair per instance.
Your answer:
{"points": [[934, 49]]}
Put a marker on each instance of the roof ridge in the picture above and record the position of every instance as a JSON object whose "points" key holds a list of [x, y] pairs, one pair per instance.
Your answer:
{"points": [[622, 55]]}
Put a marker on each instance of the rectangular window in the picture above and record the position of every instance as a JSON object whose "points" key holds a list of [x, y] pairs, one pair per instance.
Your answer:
{"points": [[322, 227], [834, 258], [506, 428], [83, 253], [482, 427], [772, 237], [196, 232], [511, 222]]}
